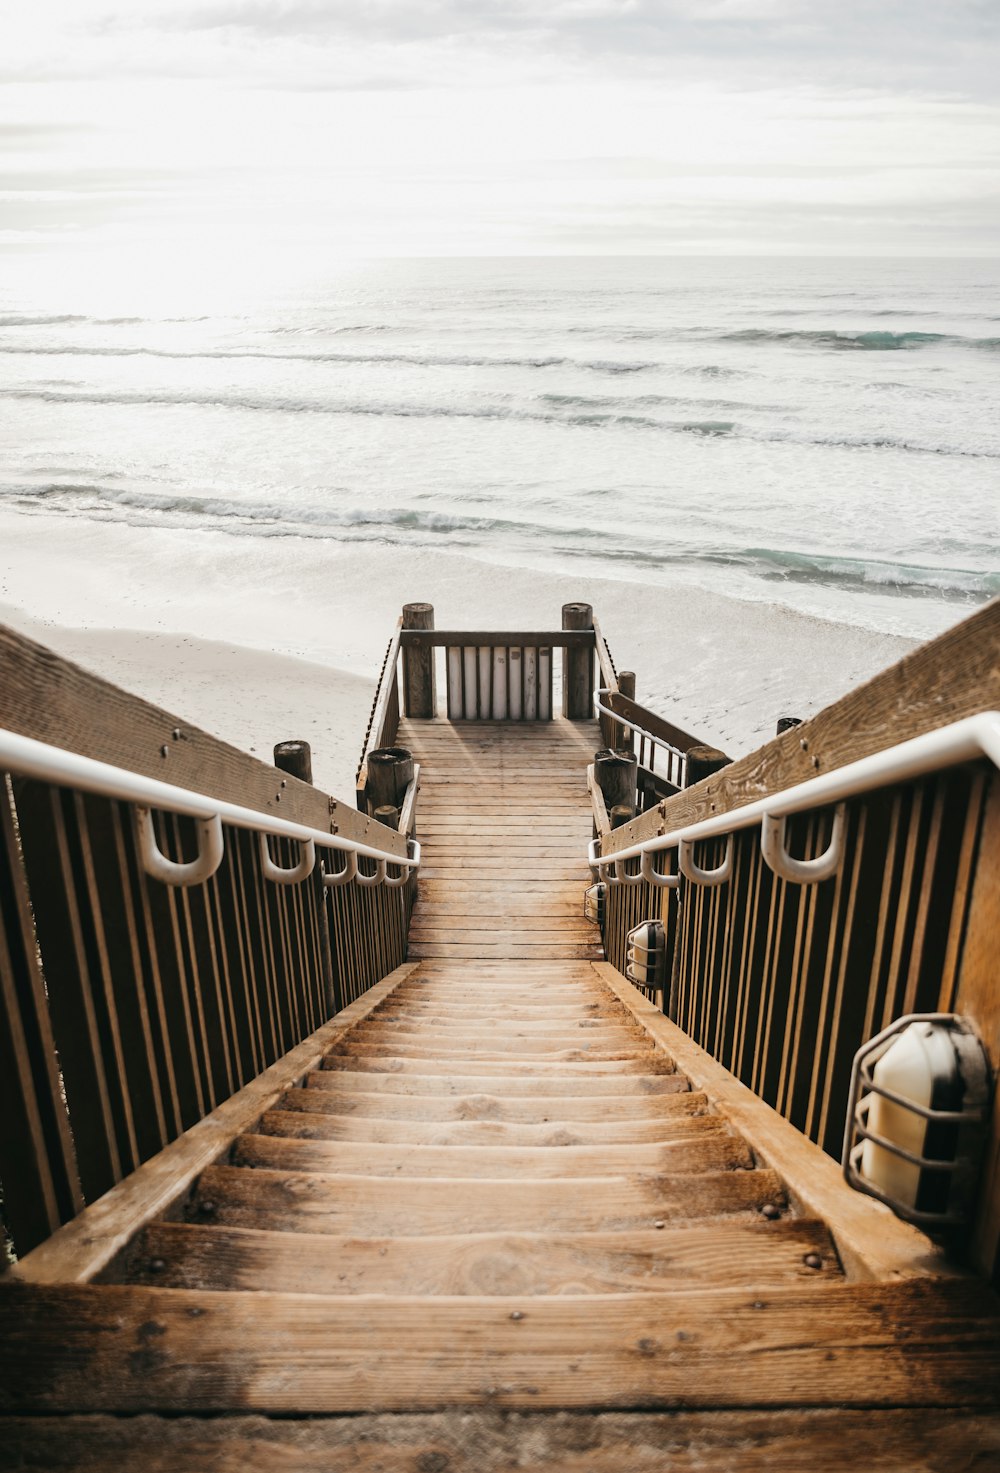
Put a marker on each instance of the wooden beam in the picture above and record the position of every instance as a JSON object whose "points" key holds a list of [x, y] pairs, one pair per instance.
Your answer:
{"points": [[575, 639]]}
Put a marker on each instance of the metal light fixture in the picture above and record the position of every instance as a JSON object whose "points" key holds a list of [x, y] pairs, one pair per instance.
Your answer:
{"points": [[920, 1093], [595, 899], [646, 956]]}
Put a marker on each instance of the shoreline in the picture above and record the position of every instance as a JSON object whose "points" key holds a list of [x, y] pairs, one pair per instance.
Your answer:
{"points": [[261, 641]]}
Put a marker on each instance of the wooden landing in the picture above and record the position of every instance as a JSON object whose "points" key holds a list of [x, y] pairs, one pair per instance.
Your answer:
{"points": [[504, 821], [494, 1226]]}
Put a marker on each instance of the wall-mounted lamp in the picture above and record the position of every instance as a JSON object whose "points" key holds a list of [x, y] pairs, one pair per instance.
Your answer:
{"points": [[595, 900], [646, 956], [920, 1093]]}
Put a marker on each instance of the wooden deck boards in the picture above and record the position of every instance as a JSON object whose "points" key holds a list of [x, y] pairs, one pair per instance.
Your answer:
{"points": [[503, 815]]}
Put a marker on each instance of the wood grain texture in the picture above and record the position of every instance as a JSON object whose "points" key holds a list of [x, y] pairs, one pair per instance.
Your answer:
{"points": [[977, 996], [438, 1076], [322, 1127], [537, 1163], [291, 1201], [484, 1441], [483, 1105], [716, 1255], [129, 1348]]}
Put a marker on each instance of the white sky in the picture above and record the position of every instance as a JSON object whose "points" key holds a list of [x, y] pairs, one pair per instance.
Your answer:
{"points": [[425, 127]]}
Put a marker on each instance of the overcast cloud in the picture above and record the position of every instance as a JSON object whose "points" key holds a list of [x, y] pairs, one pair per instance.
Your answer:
{"points": [[502, 125]]}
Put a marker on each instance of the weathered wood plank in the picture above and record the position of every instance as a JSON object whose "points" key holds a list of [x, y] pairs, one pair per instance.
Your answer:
{"points": [[511, 639], [683, 1157], [129, 1348], [484, 1105], [290, 1201], [489, 1133], [367, 1075], [487, 1441], [712, 1256]]}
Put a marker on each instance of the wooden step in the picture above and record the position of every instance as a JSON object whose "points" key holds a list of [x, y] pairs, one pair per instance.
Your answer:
{"points": [[361, 1076], [497, 1041], [716, 1255], [723, 1152], [630, 1059], [307, 1125], [531, 1110], [538, 1014], [471, 952], [510, 1066], [540, 924], [128, 1348], [494, 1441], [289, 1201], [447, 950], [584, 1030]]}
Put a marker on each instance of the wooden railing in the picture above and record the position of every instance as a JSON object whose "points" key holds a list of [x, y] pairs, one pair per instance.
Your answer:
{"points": [[383, 723], [130, 1007], [668, 758], [782, 982]]}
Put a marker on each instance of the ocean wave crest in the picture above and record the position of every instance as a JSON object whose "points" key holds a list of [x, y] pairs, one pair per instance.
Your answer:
{"points": [[415, 360], [963, 585], [868, 342], [341, 520]]}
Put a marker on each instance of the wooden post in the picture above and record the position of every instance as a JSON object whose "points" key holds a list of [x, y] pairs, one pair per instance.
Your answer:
{"points": [[785, 723], [388, 815], [390, 772], [624, 737], [615, 773], [578, 666], [702, 762], [419, 675], [621, 813], [295, 758]]}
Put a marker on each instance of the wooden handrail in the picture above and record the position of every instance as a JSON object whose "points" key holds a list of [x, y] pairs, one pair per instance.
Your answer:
{"points": [[954, 676], [50, 699], [384, 712], [571, 639], [602, 823], [605, 661], [656, 726]]}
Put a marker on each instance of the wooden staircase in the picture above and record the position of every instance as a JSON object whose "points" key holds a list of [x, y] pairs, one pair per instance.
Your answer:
{"points": [[497, 1228]]}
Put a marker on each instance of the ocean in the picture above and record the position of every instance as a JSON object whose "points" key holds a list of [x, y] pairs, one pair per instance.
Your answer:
{"points": [[818, 434]]}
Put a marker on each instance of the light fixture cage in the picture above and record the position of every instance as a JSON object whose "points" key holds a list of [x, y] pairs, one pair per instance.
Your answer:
{"points": [[595, 903], [960, 1130], [646, 955]]}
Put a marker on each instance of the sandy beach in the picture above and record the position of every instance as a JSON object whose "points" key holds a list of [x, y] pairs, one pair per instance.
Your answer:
{"points": [[262, 642]]}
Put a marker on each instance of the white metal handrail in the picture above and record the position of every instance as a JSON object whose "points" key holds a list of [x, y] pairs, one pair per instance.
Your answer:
{"points": [[963, 741], [50, 764], [676, 762]]}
